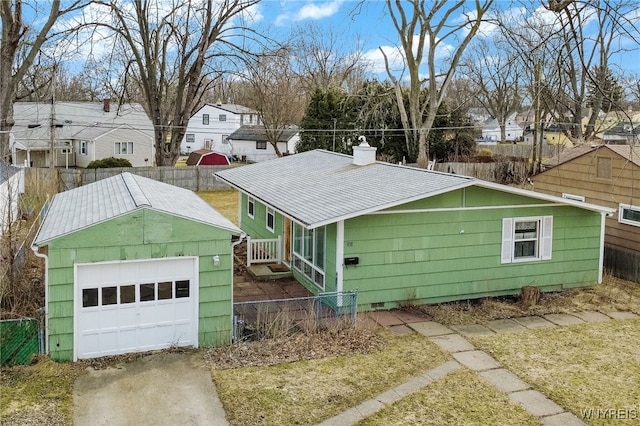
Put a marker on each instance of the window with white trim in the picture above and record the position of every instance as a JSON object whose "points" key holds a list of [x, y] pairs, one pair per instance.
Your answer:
{"points": [[250, 207], [82, 149], [271, 219], [190, 138], [123, 148], [629, 214], [222, 117], [526, 239], [308, 253], [205, 119], [261, 144]]}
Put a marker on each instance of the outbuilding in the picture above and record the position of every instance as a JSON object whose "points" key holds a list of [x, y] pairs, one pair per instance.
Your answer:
{"points": [[206, 157], [133, 264]]}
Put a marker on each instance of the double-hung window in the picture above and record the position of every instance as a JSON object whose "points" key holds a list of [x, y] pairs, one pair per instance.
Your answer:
{"points": [[124, 148], [261, 144], [526, 239], [308, 253], [83, 148], [271, 219], [629, 214], [205, 119], [250, 207]]}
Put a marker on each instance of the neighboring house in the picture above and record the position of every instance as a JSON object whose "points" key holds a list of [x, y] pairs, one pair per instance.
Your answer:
{"points": [[608, 175], [212, 124], [134, 265], [249, 143], [401, 235], [11, 187], [205, 157], [491, 129], [624, 133], [83, 132]]}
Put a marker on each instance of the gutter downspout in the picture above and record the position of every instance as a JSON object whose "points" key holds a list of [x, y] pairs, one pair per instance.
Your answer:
{"points": [[46, 296], [603, 217], [233, 319], [340, 256]]}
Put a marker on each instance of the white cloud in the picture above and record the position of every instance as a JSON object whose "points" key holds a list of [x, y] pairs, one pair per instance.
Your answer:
{"points": [[312, 11], [375, 59]]}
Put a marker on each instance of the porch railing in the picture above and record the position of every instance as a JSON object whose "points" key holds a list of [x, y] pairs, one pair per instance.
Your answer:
{"points": [[264, 250]]}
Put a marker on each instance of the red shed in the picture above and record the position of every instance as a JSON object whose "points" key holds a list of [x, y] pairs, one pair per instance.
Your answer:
{"points": [[206, 157]]}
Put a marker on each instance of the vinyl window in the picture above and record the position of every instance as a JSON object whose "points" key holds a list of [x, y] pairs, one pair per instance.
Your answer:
{"points": [[251, 205], [261, 144], [309, 253], [205, 119], [123, 148], [271, 219], [629, 214], [526, 239]]}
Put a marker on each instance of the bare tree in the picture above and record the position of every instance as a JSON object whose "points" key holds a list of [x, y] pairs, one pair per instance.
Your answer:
{"points": [[170, 54], [495, 74], [321, 62], [22, 40], [275, 93], [425, 27]]}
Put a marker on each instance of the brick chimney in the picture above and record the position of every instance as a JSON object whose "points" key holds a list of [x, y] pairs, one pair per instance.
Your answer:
{"points": [[364, 154], [106, 104]]}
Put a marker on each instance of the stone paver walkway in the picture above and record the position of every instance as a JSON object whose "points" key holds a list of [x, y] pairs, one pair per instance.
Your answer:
{"points": [[452, 339]]}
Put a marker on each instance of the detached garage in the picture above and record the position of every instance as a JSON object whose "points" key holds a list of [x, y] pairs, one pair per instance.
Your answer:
{"points": [[134, 265]]}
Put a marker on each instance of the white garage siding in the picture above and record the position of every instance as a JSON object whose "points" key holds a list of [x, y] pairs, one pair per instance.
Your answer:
{"points": [[135, 306]]}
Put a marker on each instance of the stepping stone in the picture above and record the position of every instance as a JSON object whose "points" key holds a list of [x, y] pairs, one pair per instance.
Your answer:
{"points": [[562, 419], [591, 316], [505, 326], [472, 330], [413, 385], [453, 343], [400, 330], [563, 319], [476, 360], [386, 318], [409, 317], [442, 370], [534, 322], [535, 403], [389, 397], [622, 315], [430, 328], [504, 380], [369, 407]]}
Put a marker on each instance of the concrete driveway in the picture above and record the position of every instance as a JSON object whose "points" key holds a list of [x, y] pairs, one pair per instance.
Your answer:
{"points": [[160, 389]]}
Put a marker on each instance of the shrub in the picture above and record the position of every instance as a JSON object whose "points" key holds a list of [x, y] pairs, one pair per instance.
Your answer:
{"points": [[107, 163], [485, 152]]}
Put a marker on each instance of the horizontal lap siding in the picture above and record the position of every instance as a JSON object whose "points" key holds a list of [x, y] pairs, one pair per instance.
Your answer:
{"points": [[425, 257], [256, 227], [137, 236]]}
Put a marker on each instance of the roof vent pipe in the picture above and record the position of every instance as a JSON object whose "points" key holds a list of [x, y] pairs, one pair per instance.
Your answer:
{"points": [[364, 154]]}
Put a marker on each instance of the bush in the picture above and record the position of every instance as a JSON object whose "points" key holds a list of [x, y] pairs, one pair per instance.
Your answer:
{"points": [[107, 163], [485, 152]]}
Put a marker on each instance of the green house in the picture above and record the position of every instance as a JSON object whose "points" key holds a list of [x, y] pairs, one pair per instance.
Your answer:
{"points": [[401, 235], [132, 265]]}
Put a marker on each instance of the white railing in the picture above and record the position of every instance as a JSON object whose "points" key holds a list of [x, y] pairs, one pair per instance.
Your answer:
{"points": [[264, 251]]}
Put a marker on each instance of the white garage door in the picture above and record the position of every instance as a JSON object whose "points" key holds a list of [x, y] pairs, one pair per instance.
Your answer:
{"points": [[134, 306]]}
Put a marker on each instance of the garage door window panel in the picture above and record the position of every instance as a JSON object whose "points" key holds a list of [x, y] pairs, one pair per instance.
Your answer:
{"points": [[109, 296], [89, 297], [147, 292], [182, 289], [165, 290], [127, 294]]}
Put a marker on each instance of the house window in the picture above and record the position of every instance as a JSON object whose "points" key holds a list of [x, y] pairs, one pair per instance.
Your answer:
{"points": [[573, 197], [205, 119], [124, 148], [271, 219], [250, 118], [250, 207], [261, 144], [190, 138], [222, 117], [241, 119], [604, 168], [526, 239], [83, 148], [629, 214], [225, 139], [308, 253]]}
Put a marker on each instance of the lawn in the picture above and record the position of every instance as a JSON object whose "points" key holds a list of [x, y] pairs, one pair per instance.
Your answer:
{"points": [[307, 392], [593, 366], [460, 398], [226, 202]]}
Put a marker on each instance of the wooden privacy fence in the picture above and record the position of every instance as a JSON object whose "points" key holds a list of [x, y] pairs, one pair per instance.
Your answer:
{"points": [[19, 340]]}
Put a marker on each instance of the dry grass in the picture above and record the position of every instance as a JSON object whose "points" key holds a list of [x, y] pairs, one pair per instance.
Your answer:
{"points": [[307, 392], [587, 366], [38, 394], [613, 294], [460, 398], [226, 202]]}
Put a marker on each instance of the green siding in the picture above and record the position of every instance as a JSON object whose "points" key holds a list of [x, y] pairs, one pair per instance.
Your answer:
{"points": [[432, 257], [256, 227], [140, 235]]}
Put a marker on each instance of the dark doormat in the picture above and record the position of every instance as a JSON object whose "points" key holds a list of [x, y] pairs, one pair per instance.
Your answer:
{"points": [[278, 268]]}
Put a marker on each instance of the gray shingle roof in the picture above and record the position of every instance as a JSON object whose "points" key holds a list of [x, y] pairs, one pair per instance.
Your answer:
{"points": [[320, 187], [109, 198], [258, 133], [6, 171]]}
